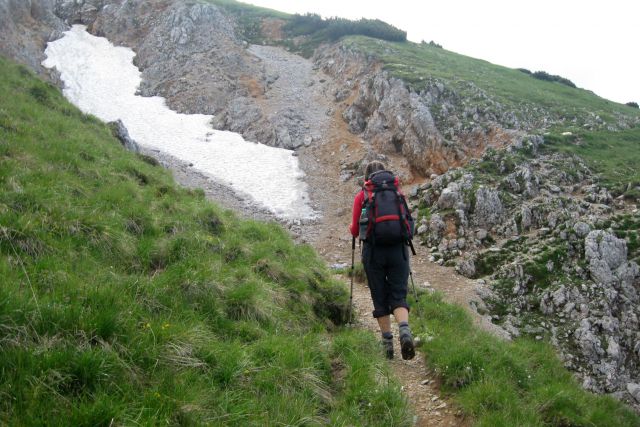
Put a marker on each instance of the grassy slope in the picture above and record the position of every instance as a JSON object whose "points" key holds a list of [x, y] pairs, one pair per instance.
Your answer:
{"points": [[126, 299], [416, 64], [613, 155], [519, 383]]}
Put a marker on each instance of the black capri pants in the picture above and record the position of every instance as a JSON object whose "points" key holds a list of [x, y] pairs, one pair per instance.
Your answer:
{"points": [[387, 270]]}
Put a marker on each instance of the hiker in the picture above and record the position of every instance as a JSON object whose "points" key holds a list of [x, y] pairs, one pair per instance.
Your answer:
{"points": [[382, 221]]}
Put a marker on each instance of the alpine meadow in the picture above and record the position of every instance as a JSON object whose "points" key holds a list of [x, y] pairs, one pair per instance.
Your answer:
{"points": [[140, 286]]}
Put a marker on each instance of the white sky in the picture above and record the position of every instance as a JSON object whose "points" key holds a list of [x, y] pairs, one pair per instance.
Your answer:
{"points": [[595, 44]]}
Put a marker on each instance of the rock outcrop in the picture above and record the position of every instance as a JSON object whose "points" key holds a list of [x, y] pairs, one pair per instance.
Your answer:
{"points": [[25, 28], [119, 130], [188, 52], [384, 111], [561, 255]]}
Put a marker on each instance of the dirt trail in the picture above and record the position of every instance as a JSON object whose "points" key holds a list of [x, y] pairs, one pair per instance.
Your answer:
{"points": [[309, 92], [419, 384], [321, 161]]}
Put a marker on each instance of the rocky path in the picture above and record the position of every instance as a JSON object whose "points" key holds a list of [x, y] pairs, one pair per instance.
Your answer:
{"points": [[300, 99], [419, 384], [310, 92]]}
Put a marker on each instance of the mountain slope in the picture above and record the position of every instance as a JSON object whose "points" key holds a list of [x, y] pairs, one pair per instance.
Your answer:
{"points": [[403, 106], [125, 299]]}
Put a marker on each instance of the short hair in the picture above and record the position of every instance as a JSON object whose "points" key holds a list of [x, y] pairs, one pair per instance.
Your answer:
{"points": [[372, 167]]}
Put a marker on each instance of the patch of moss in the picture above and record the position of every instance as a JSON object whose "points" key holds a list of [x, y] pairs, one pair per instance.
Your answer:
{"points": [[488, 263], [537, 268]]}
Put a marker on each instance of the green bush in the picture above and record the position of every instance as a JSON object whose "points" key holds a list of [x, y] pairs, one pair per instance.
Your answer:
{"points": [[542, 75], [334, 28]]}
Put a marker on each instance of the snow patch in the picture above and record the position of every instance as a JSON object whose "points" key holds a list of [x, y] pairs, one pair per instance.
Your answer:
{"points": [[101, 79]]}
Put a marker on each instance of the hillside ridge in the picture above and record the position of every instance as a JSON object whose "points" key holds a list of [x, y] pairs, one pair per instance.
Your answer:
{"points": [[516, 182]]}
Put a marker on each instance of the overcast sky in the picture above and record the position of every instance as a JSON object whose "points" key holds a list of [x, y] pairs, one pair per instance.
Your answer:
{"points": [[595, 44]]}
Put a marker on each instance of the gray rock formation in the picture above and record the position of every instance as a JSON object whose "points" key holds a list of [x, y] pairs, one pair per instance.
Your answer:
{"points": [[634, 390], [120, 131], [488, 208], [188, 52], [25, 28], [397, 120], [606, 255], [559, 270]]}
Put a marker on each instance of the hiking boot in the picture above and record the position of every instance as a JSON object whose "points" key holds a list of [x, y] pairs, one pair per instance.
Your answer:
{"points": [[387, 345], [407, 347]]}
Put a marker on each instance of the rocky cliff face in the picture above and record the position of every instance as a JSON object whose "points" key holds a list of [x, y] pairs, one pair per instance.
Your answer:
{"points": [[188, 52], [25, 28], [557, 256], [428, 128]]}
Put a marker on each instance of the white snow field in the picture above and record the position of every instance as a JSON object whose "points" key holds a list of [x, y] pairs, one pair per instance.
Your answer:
{"points": [[100, 79]]}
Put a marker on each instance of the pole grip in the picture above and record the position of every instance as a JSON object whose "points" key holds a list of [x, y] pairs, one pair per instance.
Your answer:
{"points": [[353, 243]]}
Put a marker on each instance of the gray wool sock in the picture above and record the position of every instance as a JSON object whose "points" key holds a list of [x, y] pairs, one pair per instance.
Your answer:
{"points": [[387, 335], [404, 328]]}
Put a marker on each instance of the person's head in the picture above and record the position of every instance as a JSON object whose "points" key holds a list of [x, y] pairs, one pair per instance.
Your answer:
{"points": [[372, 167]]}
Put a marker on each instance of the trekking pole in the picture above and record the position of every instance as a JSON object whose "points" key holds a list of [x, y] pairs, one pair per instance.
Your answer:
{"points": [[353, 252], [413, 251], [415, 294]]}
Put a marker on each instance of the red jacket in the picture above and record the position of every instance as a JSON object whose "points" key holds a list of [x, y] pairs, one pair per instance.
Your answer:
{"points": [[358, 201]]}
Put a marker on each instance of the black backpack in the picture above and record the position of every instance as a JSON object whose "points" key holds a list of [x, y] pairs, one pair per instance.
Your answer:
{"points": [[385, 218]]}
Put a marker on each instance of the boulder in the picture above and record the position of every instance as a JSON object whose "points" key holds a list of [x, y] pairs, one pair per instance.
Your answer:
{"points": [[581, 229], [488, 207], [605, 253], [450, 197], [634, 390], [467, 267], [119, 130]]}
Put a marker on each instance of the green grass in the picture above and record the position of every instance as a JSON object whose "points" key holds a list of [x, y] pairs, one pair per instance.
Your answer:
{"points": [[250, 18], [614, 156], [125, 299], [499, 383], [421, 64]]}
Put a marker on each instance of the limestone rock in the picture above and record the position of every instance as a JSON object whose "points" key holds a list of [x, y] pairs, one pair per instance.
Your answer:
{"points": [[488, 208], [120, 131], [605, 253], [467, 267], [582, 229], [450, 197], [634, 390]]}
